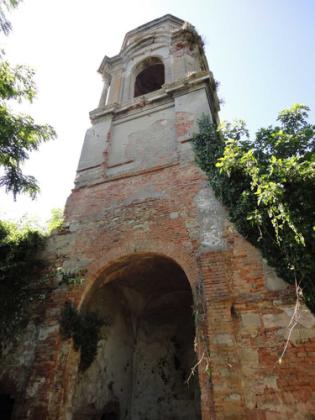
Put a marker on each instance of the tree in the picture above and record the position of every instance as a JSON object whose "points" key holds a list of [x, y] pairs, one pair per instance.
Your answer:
{"points": [[268, 185], [55, 221], [19, 134]]}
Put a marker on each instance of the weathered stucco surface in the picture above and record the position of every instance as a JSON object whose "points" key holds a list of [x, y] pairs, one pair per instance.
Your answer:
{"points": [[163, 264]]}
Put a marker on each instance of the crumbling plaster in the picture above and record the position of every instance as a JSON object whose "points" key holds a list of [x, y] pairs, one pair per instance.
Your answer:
{"points": [[161, 205]]}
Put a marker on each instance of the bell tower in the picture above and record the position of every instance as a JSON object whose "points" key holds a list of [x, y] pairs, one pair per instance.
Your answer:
{"points": [[154, 91], [141, 209], [191, 320]]}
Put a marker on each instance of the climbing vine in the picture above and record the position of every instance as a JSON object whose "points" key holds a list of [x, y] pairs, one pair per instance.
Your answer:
{"points": [[84, 329], [25, 278], [20, 283], [267, 184], [201, 339], [68, 277]]}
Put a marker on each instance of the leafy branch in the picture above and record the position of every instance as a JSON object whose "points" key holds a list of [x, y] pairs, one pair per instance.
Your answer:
{"points": [[268, 185], [19, 134]]}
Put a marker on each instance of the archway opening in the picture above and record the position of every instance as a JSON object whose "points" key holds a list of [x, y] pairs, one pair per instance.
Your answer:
{"points": [[150, 77], [6, 406], [146, 349]]}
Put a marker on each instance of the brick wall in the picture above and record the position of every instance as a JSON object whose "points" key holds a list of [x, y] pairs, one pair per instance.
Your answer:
{"points": [[245, 323]]}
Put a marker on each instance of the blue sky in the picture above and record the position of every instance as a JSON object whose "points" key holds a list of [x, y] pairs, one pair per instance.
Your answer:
{"points": [[261, 51]]}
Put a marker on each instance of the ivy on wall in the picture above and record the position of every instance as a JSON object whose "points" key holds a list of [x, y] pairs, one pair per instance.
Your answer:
{"points": [[24, 277], [267, 184], [84, 329], [19, 268]]}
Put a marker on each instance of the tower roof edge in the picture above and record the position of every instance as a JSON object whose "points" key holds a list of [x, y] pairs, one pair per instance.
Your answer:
{"points": [[155, 23], [149, 25]]}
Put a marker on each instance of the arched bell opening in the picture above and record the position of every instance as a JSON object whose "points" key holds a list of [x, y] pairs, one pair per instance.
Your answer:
{"points": [[150, 76], [146, 345]]}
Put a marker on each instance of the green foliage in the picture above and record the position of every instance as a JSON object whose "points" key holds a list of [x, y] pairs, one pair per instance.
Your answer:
{"points": [[24, 277], [19, 267], [56, 220], [268, 185], [69, 278], [19, 134], [84, 329]]}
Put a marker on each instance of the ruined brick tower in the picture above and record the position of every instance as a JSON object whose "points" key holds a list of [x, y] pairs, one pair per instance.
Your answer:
{"points": [[178, 289]]}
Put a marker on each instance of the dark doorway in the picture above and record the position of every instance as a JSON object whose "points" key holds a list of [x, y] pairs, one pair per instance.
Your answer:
{"points": [[146, 353], [6, 406]]}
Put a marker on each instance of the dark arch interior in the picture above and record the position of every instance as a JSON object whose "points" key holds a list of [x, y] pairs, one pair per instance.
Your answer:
{"points": [[146, 353], [111, 411], [150, 79], [6, 406]]}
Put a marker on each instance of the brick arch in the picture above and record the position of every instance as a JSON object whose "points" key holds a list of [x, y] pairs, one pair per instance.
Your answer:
{"points": [[185, 260]]}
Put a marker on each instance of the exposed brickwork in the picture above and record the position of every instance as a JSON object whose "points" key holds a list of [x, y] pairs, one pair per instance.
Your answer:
{"points": [[247, 380], [184, 124], [167, 209]]}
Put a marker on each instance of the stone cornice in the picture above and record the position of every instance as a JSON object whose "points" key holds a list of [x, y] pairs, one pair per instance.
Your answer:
{"points": [[167, 91]]}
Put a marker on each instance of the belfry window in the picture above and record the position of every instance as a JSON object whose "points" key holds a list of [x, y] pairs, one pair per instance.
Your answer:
{"points": [[150, 77]]}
